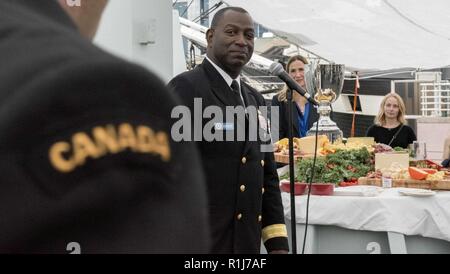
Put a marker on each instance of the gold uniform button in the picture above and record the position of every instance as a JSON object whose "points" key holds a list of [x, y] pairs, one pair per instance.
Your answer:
{"points": [[263, 190], [262, 162], [259, 218], [242, 188], [244, 160], [239, 216]]}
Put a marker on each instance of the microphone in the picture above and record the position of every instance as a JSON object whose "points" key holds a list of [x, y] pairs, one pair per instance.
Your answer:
{"points": [[277, 70]]}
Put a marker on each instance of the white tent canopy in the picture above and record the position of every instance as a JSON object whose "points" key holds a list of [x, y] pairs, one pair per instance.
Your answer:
{"points": [[366, 34]]}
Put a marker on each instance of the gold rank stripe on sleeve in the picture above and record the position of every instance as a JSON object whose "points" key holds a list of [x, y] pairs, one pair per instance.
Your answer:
{"points": [[110, 139], [273, 231]]}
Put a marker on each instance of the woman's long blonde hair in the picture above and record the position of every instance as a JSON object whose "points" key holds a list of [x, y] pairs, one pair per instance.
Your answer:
{"points": [[282, 93], [380, 119]]}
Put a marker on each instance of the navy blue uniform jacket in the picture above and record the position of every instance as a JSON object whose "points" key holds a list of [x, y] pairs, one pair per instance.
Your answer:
{"points": [[86, 157], [243, 187]]}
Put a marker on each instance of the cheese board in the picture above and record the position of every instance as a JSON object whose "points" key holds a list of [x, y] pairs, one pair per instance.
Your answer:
{"points": [[284, 158], [409, 183]]}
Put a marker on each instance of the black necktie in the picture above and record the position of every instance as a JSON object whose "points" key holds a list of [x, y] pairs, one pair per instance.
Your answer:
{"points": [[236, 91]]}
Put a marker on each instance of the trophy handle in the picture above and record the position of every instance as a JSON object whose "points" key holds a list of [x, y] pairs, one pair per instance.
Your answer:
{"points": [[312, 82]]}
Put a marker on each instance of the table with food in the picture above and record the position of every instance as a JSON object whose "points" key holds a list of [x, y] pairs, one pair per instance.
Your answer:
{"points": [[360, 161], [380, 196]]}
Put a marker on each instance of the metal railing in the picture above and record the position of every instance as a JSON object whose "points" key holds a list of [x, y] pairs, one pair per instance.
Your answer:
{"points": [[435, 99]]}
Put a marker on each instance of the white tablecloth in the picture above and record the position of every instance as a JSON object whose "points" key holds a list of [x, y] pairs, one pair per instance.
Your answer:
{"points": [[389, 211]]}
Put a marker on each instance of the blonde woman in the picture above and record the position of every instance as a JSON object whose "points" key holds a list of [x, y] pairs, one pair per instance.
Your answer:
{"points": [[390, 125], [304, 113]]}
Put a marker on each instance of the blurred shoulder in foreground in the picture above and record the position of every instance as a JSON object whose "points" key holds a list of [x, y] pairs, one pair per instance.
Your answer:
{"points": [[86, 155]]}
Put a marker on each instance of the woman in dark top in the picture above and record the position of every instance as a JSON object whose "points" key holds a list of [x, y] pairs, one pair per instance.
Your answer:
{"points": [[390, 125], [304, 113]]}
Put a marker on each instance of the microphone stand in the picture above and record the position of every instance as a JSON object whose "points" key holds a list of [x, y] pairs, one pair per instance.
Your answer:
{"points": [[291, 171], [289, 98]]}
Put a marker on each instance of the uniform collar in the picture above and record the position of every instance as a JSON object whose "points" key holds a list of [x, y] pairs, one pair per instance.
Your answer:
{"points": [[225, 75]]}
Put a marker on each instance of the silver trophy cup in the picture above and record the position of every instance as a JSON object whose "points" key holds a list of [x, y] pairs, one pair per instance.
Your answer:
{"points": [[325, 82]]}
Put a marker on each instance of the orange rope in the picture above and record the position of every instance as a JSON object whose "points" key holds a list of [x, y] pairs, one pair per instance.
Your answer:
{"points": [[352, 132]]}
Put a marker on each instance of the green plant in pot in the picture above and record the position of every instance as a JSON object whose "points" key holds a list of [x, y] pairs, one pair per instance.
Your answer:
{"points": [[343, 165], [322, 182], [299, 187]]}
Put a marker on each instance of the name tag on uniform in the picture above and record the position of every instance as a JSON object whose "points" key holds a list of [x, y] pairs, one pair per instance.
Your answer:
{"points": [[224, 126], [263, 123]]}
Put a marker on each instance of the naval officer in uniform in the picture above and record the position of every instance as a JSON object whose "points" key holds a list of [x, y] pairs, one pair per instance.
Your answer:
{"points": [[243, 188]]}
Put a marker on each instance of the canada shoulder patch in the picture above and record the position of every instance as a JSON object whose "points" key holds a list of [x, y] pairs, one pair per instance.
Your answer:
{"points": [[66, 155]]}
